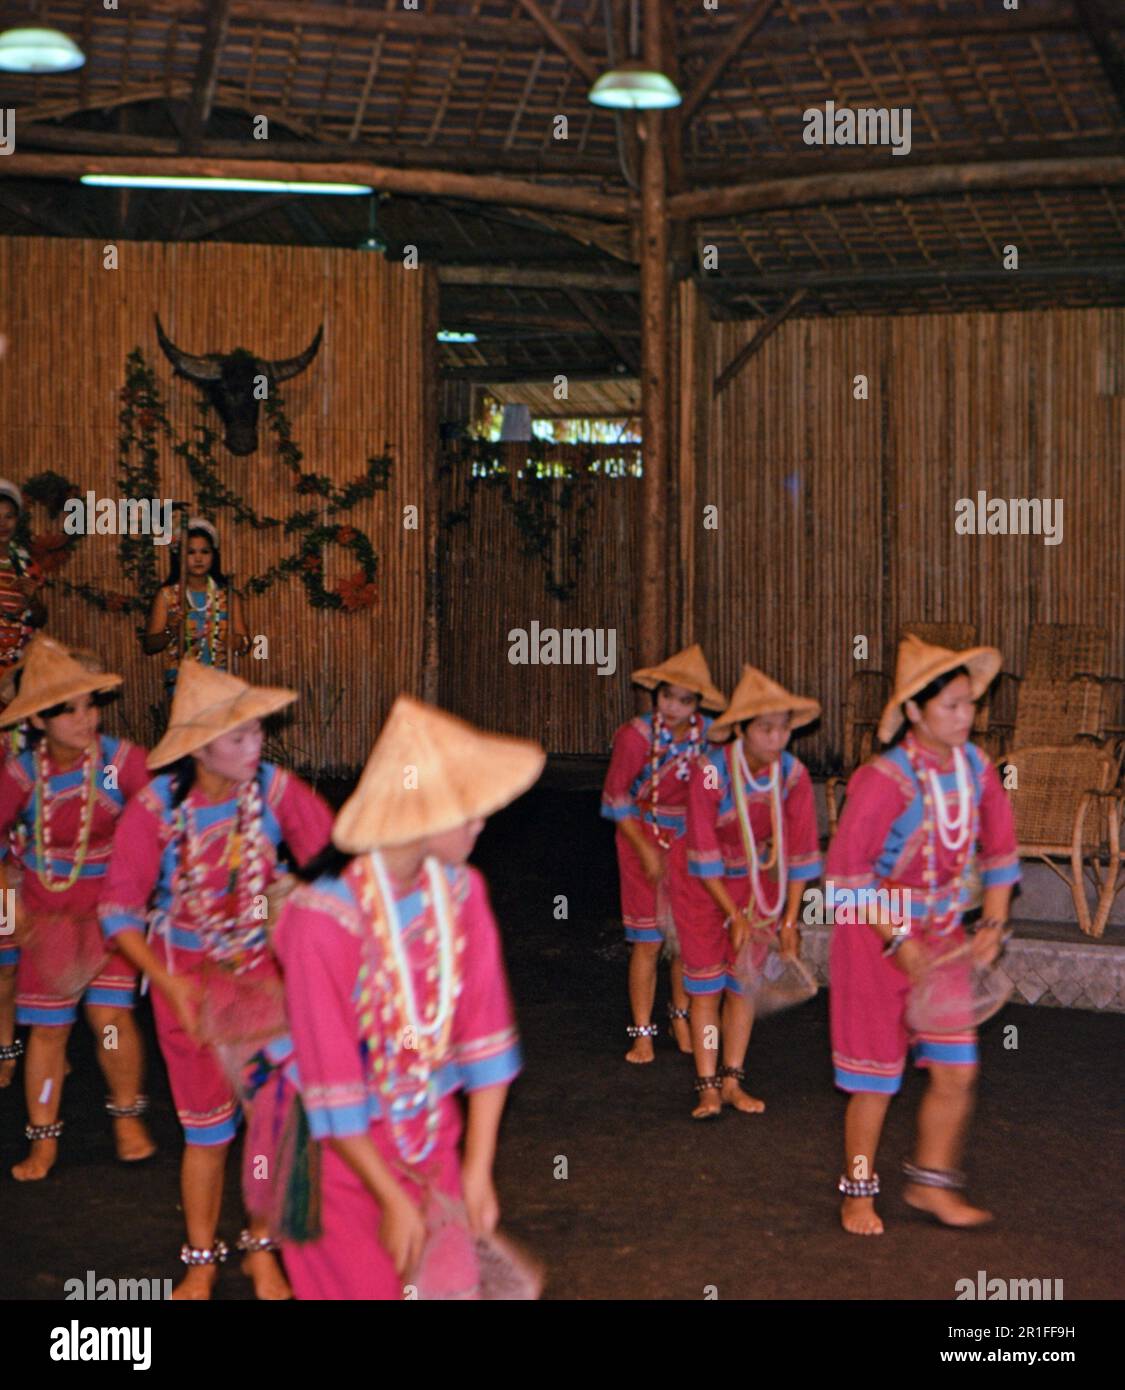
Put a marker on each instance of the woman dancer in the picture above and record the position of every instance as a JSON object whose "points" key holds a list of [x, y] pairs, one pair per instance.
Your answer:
{"points": [[202, 842], [21, 583], [397, 998], [60, 799], [205, 617], [750, 814], [911, 821], [645, 795]]}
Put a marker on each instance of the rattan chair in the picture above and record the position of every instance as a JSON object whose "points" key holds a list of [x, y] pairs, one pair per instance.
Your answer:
{"points": [[1064, 694], [867, 694], [1068, 805]]}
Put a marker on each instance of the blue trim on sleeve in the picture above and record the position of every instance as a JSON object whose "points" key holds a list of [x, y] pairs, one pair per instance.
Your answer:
{"points": [[803, 872], [342, 1122], [114, 922], [492, 1071]]}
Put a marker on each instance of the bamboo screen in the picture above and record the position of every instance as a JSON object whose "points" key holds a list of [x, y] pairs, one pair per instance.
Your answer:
{"points": [[836, 515], [70, 324], [490, 586]]}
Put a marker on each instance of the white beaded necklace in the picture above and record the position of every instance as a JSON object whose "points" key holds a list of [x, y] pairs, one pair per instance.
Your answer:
{"points": [[953, 831], [742, 775], [440, 898]]}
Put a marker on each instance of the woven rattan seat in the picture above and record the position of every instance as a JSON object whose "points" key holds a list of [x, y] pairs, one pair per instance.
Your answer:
{"points": [[1067, 805]]}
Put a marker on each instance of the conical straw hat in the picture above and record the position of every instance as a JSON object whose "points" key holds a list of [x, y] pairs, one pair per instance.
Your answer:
{"points": [[51, 676], [208, 703], [687, 668], [428, 773], [756, 694], [919, 663]]}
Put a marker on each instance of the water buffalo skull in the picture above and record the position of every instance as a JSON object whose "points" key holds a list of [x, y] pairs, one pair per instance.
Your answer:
{"points": [[229, 378]]}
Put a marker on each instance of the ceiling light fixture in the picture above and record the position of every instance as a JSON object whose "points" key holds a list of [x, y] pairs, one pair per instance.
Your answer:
{"points": [[633, 86], [217, 185], [38, 50]]}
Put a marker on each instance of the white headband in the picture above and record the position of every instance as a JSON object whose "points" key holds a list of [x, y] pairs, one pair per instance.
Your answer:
{"points": [[9, 490], [199, 523]]}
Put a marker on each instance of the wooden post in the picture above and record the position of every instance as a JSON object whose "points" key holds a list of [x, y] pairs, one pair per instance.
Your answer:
{"points": [[181, 626], [432, 499], [655, 555], [230, 622]]}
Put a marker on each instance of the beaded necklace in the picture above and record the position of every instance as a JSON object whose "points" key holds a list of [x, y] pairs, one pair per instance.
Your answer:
{"points": [[405, 1045], [210, 610], [221, 916], [683, 770], [740, 775], [43, 820], [932, 797]]}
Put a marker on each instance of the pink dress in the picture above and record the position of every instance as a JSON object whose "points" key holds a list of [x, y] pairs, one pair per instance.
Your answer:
{"points": [[628, 795], [355, 1079], [63, 958], [880, 844], [715, 850], [147, 868]]}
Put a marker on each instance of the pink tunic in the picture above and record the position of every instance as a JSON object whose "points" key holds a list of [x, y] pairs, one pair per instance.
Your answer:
{"points": [[715, 850], [880, 845], [628, 795], [63, 955], [144, 869], [323, 941]]}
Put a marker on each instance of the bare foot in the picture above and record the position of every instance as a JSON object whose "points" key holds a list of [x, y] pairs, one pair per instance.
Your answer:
{"points": [[7, 1071], [946, 1205], [733, 1094], [682, 1034], [641, 1051], [39, 1161], [859, 1217], [709, 1105], [134, 1143], [264, 1268], [197, 1283]]}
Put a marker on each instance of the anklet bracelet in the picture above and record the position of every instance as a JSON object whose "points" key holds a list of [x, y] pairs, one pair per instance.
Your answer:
{"points": [[736, 1073], [191, 1255], [648, 1030], [10, 1051], [708, 1083], [674, 1013], [51, 1131], [252, 1244], [859, 1187], [127, 1112], [950, 1178]]}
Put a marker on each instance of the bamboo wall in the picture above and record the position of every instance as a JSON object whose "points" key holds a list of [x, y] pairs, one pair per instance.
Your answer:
{"points": [[489, 587], [70, 325], [836, 515]]}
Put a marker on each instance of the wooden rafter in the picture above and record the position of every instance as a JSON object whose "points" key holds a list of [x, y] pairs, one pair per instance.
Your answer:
{"points": [[547, 277], [755, 15], [1096, 22], [744, 354], [890, 183], [734, 287], [561, 39], [602, 325], [424, 182], [206, 74]]}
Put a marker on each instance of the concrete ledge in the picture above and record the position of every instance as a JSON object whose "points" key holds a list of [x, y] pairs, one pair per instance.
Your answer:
{"points": [[1082, 974]]}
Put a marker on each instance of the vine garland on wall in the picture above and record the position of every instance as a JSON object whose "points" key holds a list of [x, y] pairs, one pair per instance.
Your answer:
{"points": [[143, 421]]}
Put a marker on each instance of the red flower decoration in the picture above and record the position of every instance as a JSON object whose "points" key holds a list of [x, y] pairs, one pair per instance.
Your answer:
{"points": [[146, 419], [311, 562], [50, 551], [116, 602], [356, 591], [346, 534]]}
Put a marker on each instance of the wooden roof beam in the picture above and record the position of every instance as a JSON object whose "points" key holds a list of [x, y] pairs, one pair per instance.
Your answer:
{"points": [[755, 16], [546, 277], [889, 183], [562, 40], [432, 183], [739, 286], [601, 324], [206, 74], [1099, 30]]}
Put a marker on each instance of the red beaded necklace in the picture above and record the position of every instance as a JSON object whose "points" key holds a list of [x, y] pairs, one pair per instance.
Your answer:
{"points": [[695, 735]]}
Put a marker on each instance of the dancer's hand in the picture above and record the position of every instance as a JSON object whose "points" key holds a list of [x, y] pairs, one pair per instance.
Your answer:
{"points": [[739, 931], [789, 946], [652, 862], [481, 1203], [987, 941], [911, 959], [402, 1233], [185, 997]]}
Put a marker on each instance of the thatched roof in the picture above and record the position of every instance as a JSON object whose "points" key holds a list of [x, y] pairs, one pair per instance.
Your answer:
{"points": [[1017, 138]]}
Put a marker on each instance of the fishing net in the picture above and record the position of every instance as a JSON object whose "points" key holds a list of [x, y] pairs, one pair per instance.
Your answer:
{"points": [[239, 1014], [68, 950], [456, 1265], [772, 982], [956, 993]]}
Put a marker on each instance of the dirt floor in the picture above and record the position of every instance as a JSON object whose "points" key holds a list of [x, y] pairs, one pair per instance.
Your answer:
{"points": [[652, 1205]]}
